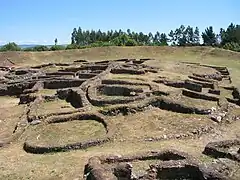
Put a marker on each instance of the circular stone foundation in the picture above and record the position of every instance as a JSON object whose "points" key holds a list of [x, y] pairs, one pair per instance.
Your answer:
{"points": [[64, 136]]}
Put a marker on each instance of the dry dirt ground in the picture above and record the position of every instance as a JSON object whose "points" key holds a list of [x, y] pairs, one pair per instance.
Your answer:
{"points": [[123, 107]]}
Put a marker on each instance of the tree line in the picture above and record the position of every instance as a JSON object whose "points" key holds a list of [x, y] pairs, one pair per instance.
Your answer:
{"points": [[228, 38]]}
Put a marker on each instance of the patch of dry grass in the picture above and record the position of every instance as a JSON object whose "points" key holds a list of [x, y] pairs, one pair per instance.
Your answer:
{"points": [[56, 106], [156, 123], [58, 134], [192, 102], [8, 101], [10, 116], [48, 92], [16, 164]]}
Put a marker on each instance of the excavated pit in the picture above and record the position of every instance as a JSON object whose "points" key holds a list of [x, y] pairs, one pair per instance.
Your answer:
{"points": [[113, 95], [114, 90], [75, 97], [170, 164]]}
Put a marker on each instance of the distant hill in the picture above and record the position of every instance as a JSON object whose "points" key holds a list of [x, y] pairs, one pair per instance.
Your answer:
{"points": [[24, 46]]}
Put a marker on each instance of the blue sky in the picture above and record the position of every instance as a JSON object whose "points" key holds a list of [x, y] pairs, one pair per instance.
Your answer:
{"points": [[41, 21]]}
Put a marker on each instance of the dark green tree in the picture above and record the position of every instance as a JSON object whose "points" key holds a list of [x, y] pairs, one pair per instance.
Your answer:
{"points": [[74, 36], [232, 34], [135, 36], [92, 36], [163, 39], [55, 41], [172, 37], [150, 38], [99, 35], [209, 37], [109, 35], [79, 39], [178, 37], [181, 35], [196, 37], [124, 40], [40, 48], [184, 36], [189, 36], [129, 33], [57, 48], [10, 47], [72, 46]]}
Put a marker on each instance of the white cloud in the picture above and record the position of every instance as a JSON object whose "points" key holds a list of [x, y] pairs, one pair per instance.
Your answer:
{"points": [[2, 42]]}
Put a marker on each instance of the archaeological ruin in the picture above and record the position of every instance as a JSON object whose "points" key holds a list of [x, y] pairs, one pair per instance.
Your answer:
{"points": [[88, 97]]}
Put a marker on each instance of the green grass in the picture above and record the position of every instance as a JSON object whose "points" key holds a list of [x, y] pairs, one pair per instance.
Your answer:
{"points": [[65, 133]]}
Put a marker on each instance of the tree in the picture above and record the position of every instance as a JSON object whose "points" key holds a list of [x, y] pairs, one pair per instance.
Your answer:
{"points": [[28, 49], [141, 39], [55, 41], [150, 38], [130, 42], [232, 46], [196, 38], [129, 32], [123, 40], [172, 37], [189, 36], [230, 38], [109, 35], [79, 39], [209, 37], [179, 36], [74, 36], [72, 46], [57, 48], [40, 48], [99, 35], [231, 35], [92, 36], [184, 36], [163, 39], [10, 47], [135, 37]]}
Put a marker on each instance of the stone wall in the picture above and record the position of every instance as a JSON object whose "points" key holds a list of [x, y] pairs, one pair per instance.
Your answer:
{"points": [[171, 165], [224, 149], [196, 95]]}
